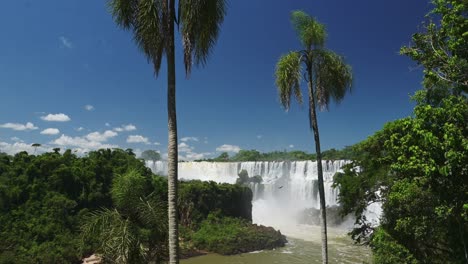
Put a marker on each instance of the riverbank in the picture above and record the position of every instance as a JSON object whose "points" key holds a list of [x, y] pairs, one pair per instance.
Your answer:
{"points": [[296, 251]]}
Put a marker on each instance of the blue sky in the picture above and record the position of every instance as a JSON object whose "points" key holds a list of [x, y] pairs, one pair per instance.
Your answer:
{"points": [[56, 57]]}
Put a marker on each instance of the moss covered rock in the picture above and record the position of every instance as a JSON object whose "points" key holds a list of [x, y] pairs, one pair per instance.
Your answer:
{"points": [[228, 235]]}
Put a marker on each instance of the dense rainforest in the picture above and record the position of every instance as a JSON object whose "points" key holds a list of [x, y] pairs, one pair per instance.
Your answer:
{"points": [[346, 153], [417, 167], [58, 208]]}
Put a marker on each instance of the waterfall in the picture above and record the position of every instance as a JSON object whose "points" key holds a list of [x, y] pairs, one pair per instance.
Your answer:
{"points": [[289, 180], [288, 187]]}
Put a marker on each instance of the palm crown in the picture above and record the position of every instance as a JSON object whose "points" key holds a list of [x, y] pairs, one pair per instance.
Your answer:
{"points": [[199, 23], [329, 74]]}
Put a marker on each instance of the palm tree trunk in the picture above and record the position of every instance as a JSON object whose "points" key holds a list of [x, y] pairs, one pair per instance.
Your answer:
{"points": [[172, 152], [323, 212]]}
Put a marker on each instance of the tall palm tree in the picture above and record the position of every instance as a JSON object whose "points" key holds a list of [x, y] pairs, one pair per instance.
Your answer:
{"points": [[153, 23], [328, 78]]}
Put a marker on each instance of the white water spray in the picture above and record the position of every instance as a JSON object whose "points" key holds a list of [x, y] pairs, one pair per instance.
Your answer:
{"points": [[288, 186]]}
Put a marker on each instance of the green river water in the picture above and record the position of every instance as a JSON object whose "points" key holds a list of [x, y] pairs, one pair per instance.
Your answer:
{"points": [[303, 247]]}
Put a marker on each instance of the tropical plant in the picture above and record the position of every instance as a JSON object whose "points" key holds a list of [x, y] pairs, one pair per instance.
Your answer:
{"points": [[132, 232], [441, 49], [328, 78], [153, 24]]}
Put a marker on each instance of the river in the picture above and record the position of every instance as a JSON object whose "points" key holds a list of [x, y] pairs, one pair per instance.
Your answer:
{"points": [[303, 247]]}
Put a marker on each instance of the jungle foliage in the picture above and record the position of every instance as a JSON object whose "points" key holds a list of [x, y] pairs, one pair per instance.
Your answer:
{"points": [[58, 208], [417, 167]]}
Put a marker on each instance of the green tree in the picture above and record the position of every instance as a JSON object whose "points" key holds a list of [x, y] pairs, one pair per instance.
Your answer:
{"points": [[418, 165], [150, 155], [328, 78], [243, 177], [153, 25], [35, 146], [135, 230], [442, 48]]}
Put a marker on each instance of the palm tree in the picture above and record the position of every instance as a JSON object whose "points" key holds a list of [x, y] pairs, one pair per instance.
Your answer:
{"points": [[328, 78], [153, 24], [132, 232]]}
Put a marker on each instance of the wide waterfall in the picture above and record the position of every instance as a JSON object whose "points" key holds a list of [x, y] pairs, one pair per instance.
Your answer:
{"points": [[287, 188], [288, 180]]}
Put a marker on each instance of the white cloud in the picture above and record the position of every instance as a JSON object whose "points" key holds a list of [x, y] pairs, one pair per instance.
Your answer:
{"points": [[80, 129], [66, 42], [82, 145], [291, 146], [195, 156], [19, 127], [228, 148], [128, 127], [108, 125], [89, 107], [184, 148], [56, 118], [137, 139], [101, 137], [157, 143], [50, 131], [16, 147], [259, 136], [186, 139], [16, 139]]}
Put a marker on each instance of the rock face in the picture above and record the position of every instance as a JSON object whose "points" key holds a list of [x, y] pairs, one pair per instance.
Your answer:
{"points": [[311, 216]]}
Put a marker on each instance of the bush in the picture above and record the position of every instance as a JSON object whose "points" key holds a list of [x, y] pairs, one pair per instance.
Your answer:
{"points": [[230, 235]]}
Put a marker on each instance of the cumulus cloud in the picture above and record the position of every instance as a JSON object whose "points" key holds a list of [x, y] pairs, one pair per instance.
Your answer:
{"points": [[50, 131], [80, 129], [107, 124], [137, 139], [128, 127], [81, 144], [66, 42], [89, 107], [184, 147], [228, 148], [19, 127], [16, 139], [157, 143], [291, 146], [16, 147], [194, 156], [56, 118], [186, 139], [101, 137]]}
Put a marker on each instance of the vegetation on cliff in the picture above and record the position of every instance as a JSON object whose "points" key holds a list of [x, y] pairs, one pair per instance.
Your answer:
{"points": [[57, 208], [417, 167]]}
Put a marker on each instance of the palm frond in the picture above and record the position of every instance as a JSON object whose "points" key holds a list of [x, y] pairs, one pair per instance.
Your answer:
{"points": [[123, 12], [127, 189], [310, 32], [117, 237], [147, 20], [153, 213], [201, 21], [333, 77], [288, 78]]}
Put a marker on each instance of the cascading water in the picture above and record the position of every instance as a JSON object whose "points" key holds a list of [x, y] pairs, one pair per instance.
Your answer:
{"points": [[288, 186], [290, 181]]}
